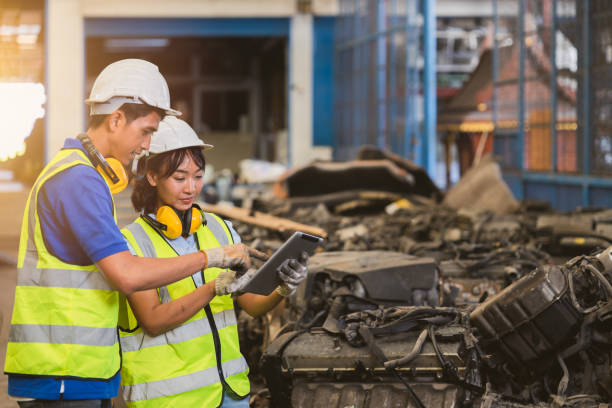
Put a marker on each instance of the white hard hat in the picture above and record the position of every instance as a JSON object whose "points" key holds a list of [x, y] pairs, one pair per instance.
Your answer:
{"points": [[173, 134], [129, 81]]}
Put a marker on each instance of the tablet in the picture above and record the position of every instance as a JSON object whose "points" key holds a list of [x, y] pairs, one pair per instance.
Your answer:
{"points": [[266, 279]]}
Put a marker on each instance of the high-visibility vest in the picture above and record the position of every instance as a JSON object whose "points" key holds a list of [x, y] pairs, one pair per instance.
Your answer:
{"points": [[65, 316], [191, 365]]}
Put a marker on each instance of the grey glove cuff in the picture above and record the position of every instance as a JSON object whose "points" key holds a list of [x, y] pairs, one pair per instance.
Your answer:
{"points": [[223, 283], [240, 282], [284, 290], [215, 257]]}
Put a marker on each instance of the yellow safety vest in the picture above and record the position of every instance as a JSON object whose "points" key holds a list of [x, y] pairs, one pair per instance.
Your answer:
{"points": [[191, 365], [64, 320]]}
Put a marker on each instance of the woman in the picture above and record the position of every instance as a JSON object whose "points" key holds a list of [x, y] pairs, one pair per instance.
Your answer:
{"points": [[180, 342]]}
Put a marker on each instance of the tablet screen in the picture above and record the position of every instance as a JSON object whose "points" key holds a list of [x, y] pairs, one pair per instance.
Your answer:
{"points": [[266, 279]]}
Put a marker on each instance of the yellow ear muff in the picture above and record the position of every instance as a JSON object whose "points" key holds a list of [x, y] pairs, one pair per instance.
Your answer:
{"points": [[168, 216], [196, 220], [119, 171], [174, 225]]}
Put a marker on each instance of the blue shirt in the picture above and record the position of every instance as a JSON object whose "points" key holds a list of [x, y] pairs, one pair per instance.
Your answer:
{"points": [[76, 215]]}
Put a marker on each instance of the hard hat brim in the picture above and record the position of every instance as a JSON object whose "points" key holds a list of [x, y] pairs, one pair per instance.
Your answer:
{"points": [[203, 146], [105, 107], [173, 112], [174, 134]]}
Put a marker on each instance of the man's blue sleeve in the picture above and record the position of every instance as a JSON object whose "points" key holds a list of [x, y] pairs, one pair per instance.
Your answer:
{"points": [[76, 211]]}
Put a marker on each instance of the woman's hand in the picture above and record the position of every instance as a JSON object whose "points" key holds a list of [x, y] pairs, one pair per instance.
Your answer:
{"points": [[227, 283], [236, 257], [292, 272]]}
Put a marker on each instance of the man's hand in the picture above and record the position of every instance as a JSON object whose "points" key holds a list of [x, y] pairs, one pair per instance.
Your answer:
{"points": [[227, 283], [292, 272], [236, 257]]}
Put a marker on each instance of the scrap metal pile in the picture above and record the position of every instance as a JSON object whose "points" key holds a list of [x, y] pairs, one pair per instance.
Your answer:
{"points": [[543, 341], [419, 301]]}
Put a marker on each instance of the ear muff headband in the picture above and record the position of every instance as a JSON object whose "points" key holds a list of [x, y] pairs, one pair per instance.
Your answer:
{"points": [[111, 169], [173, 224]]}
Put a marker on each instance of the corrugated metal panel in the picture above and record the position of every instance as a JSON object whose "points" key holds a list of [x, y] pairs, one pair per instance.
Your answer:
{"points": [[551, 74], [384, 69], [601, 88]]}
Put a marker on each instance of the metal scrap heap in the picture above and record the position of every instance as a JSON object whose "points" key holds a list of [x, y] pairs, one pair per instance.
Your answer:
{"points": [[422, 300]]}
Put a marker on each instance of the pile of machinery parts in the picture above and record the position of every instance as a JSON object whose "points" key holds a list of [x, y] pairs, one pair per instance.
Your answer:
{"points": [[544, 341], [417, 302], [573, 233], [440, 259], [450, 258]]}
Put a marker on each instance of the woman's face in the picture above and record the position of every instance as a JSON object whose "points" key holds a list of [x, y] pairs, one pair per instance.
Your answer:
{"points": [[181, 188]]}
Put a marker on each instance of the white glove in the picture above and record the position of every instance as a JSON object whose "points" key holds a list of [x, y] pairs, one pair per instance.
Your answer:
{"points": [[292, 272], [227, 283]]}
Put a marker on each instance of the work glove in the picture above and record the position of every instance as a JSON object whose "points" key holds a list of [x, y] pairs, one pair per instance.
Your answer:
{"points": [[292, 272], [227, 282], [236, 257]]}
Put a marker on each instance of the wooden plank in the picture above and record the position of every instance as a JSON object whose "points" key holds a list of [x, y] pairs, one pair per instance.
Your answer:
{"points": [[262, 219]]}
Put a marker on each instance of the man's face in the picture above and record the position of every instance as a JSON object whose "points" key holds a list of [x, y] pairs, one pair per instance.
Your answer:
{"points": [[130, 139]]}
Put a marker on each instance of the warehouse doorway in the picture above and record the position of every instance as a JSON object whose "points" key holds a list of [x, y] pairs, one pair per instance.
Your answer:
{"points": [[229, 80]]}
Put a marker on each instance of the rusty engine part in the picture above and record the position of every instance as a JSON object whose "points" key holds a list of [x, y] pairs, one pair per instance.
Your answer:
{"points": [[544, 341], [339, 282], [314, 368], [554, 318], [574, 234]]}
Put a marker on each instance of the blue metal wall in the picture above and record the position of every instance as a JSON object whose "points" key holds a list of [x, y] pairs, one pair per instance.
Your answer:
{"points": [[553, 100], [384, 72], [323, 81], [187, 27]]}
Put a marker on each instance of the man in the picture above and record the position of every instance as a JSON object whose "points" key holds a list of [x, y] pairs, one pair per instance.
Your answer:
{"points": [[63, 346]]}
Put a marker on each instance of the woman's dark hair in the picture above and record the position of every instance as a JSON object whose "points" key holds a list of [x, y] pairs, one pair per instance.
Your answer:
{"points": [[144, 196]]}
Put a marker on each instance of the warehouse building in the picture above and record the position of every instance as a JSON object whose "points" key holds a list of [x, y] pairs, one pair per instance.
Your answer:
{"points": [[450, 159]]}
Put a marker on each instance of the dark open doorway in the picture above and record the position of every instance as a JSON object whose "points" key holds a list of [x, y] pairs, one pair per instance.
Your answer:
{"points": [[232, 90]]}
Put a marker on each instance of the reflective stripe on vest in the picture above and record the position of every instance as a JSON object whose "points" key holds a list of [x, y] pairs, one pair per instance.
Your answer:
{"points": [[64, 319], [183, 383], [37, 333], [184, 332], [186, 372]]}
